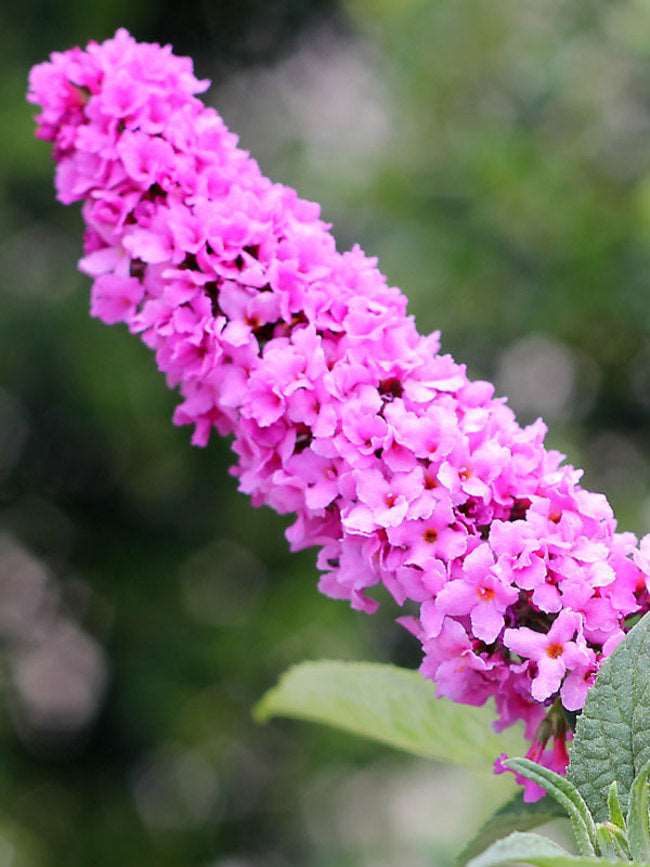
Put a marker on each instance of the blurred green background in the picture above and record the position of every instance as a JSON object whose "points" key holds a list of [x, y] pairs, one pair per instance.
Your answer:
{"points": [[496, 157]]}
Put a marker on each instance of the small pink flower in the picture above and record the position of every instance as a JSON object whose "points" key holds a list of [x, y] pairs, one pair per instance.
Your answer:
{"points": [[122, 94], [555, 651], [480, 593], [114, 299], [146, 159], [316, 475], [418, 542], [382, 502], [460, 673]]}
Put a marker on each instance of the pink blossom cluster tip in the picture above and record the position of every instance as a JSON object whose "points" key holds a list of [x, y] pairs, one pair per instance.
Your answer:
{"points": [[400, 469]]}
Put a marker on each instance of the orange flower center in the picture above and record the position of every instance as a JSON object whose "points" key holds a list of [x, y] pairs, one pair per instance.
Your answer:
{"points": [[554, 651], [430, 536], [485, 594]]}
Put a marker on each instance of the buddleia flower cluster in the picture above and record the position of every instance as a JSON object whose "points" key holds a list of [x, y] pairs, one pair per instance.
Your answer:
{"points": [[400, 469]]}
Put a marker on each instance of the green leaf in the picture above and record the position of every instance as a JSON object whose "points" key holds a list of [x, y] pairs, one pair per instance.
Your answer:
{"points": [[612, 741], [567, 796], [638, 818], [606, 843], [388, 704], [537, 851], [614, 806], [612, 842], [515, 815]]}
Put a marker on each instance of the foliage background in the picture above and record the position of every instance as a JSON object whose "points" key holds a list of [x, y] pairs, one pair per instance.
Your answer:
{"points": [[496, 156]]}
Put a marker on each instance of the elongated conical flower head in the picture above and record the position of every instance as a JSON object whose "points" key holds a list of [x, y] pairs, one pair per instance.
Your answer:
{"points": [[398, 468]]}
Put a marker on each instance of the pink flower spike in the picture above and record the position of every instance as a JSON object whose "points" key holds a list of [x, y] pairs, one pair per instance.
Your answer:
{"points": [[397, 467]]}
